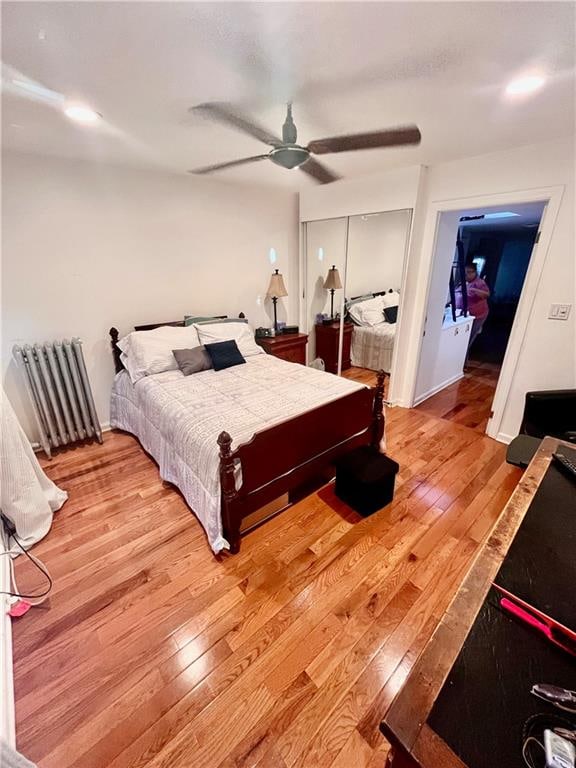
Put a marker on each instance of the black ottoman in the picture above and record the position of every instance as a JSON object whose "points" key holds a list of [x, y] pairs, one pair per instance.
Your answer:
{"points": [[365, 479]]}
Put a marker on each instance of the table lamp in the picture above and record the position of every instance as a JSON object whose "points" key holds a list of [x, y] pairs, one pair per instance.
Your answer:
{"points": [[276, 290], [332, 283]]}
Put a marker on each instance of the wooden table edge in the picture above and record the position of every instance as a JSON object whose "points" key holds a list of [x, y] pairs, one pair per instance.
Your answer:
{"points": [[404, 724]]}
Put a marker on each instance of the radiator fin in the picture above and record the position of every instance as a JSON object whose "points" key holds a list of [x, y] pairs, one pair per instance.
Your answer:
{"points": [[57, 382]]}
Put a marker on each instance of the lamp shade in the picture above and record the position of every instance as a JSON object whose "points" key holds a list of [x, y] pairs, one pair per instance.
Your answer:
{"points": [[276, 287], [332, 281]]}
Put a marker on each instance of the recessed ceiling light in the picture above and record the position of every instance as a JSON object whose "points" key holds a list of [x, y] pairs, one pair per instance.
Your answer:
{"points": [[525, 85], [81, 114]]}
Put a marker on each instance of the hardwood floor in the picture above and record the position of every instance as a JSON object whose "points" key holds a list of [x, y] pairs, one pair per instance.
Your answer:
{"points": [[151, 652], [467, 402]]}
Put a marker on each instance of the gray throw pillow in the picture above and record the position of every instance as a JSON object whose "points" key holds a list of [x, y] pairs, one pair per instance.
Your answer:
{"points": [[192, 360]]}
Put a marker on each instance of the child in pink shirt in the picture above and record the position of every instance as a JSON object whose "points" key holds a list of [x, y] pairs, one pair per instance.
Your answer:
{"points": [[478, 293]]}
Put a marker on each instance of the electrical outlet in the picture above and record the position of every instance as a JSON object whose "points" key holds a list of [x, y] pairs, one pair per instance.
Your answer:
{"points": [[559, 311]]}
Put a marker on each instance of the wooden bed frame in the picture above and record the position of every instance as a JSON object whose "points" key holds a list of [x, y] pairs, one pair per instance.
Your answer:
{"points": [[293, 457]]}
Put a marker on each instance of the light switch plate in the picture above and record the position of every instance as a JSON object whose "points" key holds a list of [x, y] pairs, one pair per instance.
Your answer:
{"points": [[559, 311]]}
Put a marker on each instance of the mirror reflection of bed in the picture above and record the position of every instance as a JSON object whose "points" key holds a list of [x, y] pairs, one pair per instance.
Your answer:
{"points": [[352, 329], [377, 247], [373, 318]]}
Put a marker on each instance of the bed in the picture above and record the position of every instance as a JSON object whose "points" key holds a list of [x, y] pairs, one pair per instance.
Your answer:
{"points": [[373, 335], [236, 440]]}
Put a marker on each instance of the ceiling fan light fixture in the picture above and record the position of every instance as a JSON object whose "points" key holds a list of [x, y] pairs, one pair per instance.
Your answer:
{"points": [[289, 156]]}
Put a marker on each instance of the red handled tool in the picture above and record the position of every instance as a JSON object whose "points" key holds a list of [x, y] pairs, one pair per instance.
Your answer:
{"points": [[555, 632]]}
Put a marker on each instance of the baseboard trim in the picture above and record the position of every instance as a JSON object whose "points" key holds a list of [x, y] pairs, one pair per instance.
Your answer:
{"points": [[437, 388], [36, 447], [501, 437]]}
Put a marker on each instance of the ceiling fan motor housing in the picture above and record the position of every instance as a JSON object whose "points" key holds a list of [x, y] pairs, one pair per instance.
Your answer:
{"points": [[289, 156]]}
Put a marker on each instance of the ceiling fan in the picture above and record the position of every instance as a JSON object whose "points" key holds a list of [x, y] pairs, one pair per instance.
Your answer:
{"points": [[288, 154]]}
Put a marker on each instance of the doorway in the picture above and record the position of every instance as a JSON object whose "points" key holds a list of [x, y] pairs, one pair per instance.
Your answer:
{"points": [[481, 261]]}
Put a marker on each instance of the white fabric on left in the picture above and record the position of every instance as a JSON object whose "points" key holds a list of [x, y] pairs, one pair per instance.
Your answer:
{"points": [[27, 496]]}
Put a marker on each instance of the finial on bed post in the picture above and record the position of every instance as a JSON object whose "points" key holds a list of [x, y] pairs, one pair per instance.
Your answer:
{"points": [[378, 412], [114, 334], [228, 488]]}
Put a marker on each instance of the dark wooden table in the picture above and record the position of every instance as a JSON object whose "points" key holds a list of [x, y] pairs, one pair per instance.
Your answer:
{"points": [[328, 341], [468, 694], [289, 346]]}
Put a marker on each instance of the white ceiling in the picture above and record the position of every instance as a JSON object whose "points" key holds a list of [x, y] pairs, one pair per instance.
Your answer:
{"points": [[348, 67]]}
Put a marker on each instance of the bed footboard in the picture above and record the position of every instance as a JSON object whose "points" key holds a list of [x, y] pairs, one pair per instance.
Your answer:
{"points": [[289, 455]]}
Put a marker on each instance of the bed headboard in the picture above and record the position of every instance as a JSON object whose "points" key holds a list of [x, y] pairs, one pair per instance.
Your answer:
{"points": [[115, 335], [376, 293]]}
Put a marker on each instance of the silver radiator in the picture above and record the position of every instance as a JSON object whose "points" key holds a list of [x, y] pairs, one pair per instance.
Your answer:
{"points": [[57, 382]]}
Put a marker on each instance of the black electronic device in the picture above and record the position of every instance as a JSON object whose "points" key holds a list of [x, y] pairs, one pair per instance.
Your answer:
{"points": [[263, 333], [566, 465]]}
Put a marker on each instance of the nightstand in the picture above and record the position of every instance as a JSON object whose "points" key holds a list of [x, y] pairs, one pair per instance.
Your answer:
{"points": [[327, 338], [289, 346]]}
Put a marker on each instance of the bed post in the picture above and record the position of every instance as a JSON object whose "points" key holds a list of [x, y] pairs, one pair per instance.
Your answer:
{"points": [[114, 333], [378, 412], [228, 488]]}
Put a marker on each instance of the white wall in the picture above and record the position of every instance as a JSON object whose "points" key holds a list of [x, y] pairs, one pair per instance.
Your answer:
{"points": [[391, 190], [548, 353], [430, 370], [376, 252], [87, 246]]}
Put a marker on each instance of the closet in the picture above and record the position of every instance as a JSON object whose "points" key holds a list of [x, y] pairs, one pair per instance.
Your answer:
{"points": [[352, 287]]}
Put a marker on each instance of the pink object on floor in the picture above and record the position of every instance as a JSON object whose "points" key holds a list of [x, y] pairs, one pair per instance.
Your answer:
{"points": [[19, 608]]}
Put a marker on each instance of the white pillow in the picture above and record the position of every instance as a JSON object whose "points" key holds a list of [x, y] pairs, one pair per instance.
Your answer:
{"points": [[241, 333], [369, 312], [147, 352], [391, 299]]}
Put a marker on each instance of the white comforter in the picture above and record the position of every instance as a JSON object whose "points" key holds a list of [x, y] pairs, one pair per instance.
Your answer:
{"points": [[372, 346], [178, 418]]}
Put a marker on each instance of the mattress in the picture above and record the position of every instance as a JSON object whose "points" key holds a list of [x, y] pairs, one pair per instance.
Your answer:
{"points": [[372, 346], [178, 419]]}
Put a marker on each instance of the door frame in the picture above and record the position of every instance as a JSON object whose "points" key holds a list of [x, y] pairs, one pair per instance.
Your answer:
{"points": [[552, 197]]}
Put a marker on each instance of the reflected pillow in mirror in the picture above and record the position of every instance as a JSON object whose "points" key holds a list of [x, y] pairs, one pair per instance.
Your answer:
{"points": [[368, 312], [391, 314], [391, 299]]}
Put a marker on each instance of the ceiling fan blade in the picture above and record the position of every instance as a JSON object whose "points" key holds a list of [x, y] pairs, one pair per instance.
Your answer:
{"points": [[230, 116], [392, 137], [318, 171], [230, 164]]}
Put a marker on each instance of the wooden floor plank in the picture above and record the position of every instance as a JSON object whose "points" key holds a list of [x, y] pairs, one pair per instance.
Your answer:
{"points": [[152, 652]]}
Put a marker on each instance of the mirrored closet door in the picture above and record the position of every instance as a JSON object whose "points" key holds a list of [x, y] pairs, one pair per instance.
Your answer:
{"points": [[377, 246], [325, 273], [354, 271]]}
